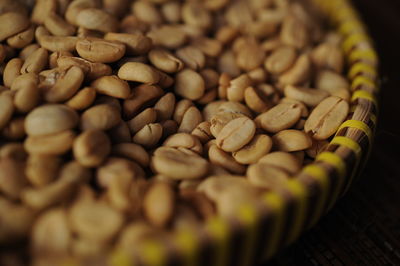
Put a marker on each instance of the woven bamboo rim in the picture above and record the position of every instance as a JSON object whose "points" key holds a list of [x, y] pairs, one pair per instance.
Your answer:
{"points": [[256, 233]]}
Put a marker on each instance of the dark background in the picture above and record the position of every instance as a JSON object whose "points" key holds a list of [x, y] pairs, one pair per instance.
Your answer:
{"points": [[364, 227]]}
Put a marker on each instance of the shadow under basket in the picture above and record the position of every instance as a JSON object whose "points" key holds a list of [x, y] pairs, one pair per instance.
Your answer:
{"points": [[256, 233]]}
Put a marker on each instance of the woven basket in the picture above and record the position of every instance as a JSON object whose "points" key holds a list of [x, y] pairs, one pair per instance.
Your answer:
{"points": [[256, 233]]}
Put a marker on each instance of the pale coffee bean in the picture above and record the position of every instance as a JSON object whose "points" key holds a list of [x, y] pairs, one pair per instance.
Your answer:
{"points": [[291, 140], [22, 39], [250, 56], [165, 61], [13, 150], [147, 12], [12, 177], [202, 131], [234, 107], [259, 146], [165, 106], [96, 19], [328, 56], [236, 134], [177, 164], [159, 204], [149, 135], [192, 57], [189, 84], [298, 73], [139, 72], [294, 32], [168, 36], [280, 117], [58, 26], [190, 120], [237, 86], [26, 98], [112, 86], [101, 117], [52, 144], [255, 100], [15, 129], [141, 96], [42, 169], [11, 71], [267, 176], [148, 116], [281, 60], [210, 47], [221, 158], [326, 117], [7, 109], [12, 23], [35, 62], [91, 147], [310, 97], [283, 160], [82, 99], [50, 119], [136, 44], [331, 82], [132, 151], [220, 119], [184, 140], [99, 50]]}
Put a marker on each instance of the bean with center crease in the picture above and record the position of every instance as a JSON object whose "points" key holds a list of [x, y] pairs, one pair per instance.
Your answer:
{"points": [[236, 134]]}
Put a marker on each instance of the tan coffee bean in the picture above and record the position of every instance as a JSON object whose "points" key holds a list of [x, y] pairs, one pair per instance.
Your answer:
{"points": [[147, 12], [168, 36], [93, 70], [280, 117], [30, 80], [22, 39], [235, 91], [192, 57], [221, 158], [310, 97], [165, 106], [202, 132], [234, 107], [190, 120], [165, 61], [170, 127], [255, 100], [326, 117], [331, 82], [189, 84], [66, 85], [250, 56], [258, 75], [42, 169], [136, 44], [227, 64], [12, 6], [281, 60], [82, 99], [112, 86], [298, 73], [220, 119], [211, 109], [12, 177], [178, 164], [6, 110], [26, 99], [142, 95], [282, 160], [294, 32], [15, 129], [42, 9], [58, 26], [49, 119], [171, 12], [12, 71], [132, 151], [96, 19], [95, 220], [101, 117], [99, 50], [13, 150], [328, 56], [149, 135], [139, 72], [184, 140], [159, 204], [210, 47], [55, 43], [216, 186], [91, 148], [51, 233], [11, 24], [180, 109], [291, 140], [148, 116], [267, 176], [304, 109], [236, 134], [259, 146], [52, 144], [117, 168]]}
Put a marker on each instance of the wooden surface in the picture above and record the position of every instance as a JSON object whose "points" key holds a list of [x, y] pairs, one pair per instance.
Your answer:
{"points": [[364, 227]]}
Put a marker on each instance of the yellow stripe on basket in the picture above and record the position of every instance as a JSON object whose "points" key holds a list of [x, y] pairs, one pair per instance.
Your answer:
{"points": [[363, 54], [247, 215], [354, 39], [358, 125], [219, 230], [188, 245], [71, 262], [120, 258], [348, 143], [350, 25], [320, 175], [153, 253], [277, 205], [300, 193], [363, 81], [364, 95], [361, 67], [340, 166]]}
